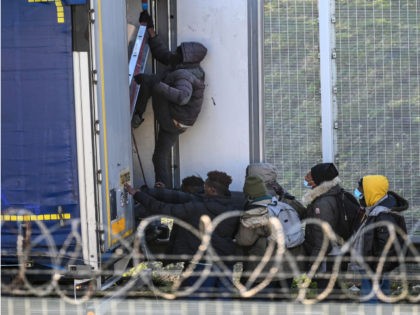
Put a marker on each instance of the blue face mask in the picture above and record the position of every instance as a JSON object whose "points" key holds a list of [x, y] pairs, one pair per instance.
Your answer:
{"points": [[357, 194], [306, 184]]}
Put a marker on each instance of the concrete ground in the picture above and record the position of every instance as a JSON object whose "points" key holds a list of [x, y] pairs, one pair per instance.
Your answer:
{"points": [[56, 306]]}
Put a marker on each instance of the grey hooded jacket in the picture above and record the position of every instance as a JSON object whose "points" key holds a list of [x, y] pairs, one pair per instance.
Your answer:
{"points": [[183, 86]]}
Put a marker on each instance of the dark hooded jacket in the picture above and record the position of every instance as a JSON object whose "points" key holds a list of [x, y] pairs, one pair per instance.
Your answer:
{"points": [[186, 243], [382, 206], [183, 86]]}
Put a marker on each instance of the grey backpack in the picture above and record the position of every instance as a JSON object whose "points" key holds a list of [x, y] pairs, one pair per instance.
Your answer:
{"points": [[290, 221]]}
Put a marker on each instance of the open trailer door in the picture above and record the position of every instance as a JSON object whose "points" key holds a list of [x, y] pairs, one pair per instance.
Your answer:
{"points": [[112, 120], [66, 135]]}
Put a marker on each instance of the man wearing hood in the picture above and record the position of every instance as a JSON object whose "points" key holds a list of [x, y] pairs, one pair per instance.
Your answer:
{"points": [[268, 172], [382, 208], [177, 95]]}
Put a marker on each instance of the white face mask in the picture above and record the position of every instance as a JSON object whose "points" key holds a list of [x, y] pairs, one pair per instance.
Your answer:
{"points": [[306, 184]]}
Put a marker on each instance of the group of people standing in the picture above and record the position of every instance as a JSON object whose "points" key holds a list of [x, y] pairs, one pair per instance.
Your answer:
{"points": [[246, 237], [177, 100]]}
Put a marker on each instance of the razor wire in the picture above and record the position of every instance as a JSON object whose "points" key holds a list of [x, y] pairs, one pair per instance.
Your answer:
{"points": [[257, 283]]}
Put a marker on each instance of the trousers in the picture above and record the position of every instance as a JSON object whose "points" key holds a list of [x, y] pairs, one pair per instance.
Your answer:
{"points": [[167, 137]]}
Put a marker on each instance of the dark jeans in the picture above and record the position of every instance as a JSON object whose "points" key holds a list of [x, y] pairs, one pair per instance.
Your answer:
{"points": [[367, 287], [166, 139], [141, 103], [167, 135], [162, 156]]}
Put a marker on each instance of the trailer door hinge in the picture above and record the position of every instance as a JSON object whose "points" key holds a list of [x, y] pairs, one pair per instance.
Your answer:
{"points": [[101, 234], [99, 176], [94, 76], [92, 16], [97, 127], [335, 124]]}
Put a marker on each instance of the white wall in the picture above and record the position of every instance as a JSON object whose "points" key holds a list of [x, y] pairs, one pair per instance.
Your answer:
{"points": [[220, 137]]}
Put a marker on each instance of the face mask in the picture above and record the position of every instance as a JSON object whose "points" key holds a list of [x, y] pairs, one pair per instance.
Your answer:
{"points": [[357, 194], [306, 184]]}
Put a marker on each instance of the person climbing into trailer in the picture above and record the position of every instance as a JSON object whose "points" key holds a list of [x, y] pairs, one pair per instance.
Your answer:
{"points": [[177, 95], [192, 188], [214, 202], [193, 185]]}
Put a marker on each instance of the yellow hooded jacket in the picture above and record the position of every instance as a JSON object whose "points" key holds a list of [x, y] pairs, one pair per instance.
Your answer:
{"points": [[382, 207], [375, 187]]}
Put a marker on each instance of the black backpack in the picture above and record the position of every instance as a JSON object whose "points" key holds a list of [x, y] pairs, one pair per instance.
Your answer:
{"points": [[350, 214]]}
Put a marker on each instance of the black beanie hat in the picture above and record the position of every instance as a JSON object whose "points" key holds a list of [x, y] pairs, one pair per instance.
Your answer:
{"points": [[323, 172], [254, 187]]}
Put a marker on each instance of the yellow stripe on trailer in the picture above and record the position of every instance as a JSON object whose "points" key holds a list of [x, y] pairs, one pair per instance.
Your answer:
{"points": [[58, 5], [39, 217]]}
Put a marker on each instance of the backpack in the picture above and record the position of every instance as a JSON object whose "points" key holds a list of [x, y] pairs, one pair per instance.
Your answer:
{"points": [[295, 204], [290, 221], [253, 224], [350, 214]]}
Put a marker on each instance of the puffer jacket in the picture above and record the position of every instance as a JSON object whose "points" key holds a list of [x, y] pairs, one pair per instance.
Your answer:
{"points": [[187, 243], [254, 224], [183, 86], [321, 204], [254, 235], [382, 206]]}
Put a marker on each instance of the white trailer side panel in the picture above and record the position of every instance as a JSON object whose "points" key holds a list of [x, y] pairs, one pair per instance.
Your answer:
{"points": [[220, 137]]}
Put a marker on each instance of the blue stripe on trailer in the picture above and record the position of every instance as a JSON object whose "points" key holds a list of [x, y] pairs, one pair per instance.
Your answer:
{"points": [[38, 135]]}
